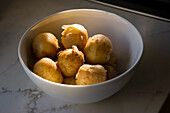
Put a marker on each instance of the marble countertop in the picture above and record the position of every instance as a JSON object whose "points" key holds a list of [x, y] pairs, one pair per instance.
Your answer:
{"points": [[145, 93]]}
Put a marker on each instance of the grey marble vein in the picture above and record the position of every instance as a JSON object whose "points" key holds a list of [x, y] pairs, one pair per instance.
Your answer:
{"points": [[33, 95], [145, 93]]}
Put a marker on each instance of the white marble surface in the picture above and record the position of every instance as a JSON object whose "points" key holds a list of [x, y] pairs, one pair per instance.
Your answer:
{"points": [[145, 93]]}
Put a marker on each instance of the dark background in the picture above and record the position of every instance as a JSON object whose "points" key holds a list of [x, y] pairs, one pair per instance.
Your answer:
{"points": [[155, 7]]}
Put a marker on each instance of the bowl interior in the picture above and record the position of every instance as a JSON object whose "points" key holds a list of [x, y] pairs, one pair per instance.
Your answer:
{"points": [[127, 42]]}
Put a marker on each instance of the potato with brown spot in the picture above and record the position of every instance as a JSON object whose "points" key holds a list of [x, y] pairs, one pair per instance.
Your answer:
{"points": [[98, 49], [45, 45], [74, 34], [70, 60], [90, 74], [47, 69]]}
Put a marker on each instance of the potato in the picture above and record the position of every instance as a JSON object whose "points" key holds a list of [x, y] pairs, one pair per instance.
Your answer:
{"points": [[113, 60], [47, 68], [70, 60], [74, 34], [111, 71], [90, 74], [45, 45], [98, 49], [69, 80]]}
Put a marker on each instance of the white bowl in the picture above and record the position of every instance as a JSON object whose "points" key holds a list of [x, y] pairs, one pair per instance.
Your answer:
{"points": [[127, 44]]}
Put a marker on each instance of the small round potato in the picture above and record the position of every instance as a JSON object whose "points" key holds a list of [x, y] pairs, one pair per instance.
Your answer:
{"points": [[98, 49], [74, 34], [69, 80], [111, 71], [45, 45], [47, 68], [70, 60], [113, 60], [90, 74]]}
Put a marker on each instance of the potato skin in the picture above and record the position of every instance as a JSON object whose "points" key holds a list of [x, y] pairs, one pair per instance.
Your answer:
{"points": [[69, 80], [111, 67], [47, 68], [90, 74], [98, 49], [74, 34], [45, 45], [70, 60], [113, 60], [111, 71]]}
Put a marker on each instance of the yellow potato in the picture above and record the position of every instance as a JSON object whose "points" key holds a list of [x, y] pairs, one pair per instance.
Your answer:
{"points": [[90, 74], [111, 71], [70, 60], [74, 34], [98, 49], [47, 68], [69, 80], [45, 45]]}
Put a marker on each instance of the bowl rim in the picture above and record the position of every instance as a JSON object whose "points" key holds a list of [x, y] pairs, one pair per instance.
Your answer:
{"points": [[78, 86]]}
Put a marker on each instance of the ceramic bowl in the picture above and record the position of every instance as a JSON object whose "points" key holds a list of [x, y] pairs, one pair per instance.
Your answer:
{"points": [[127, 45]]}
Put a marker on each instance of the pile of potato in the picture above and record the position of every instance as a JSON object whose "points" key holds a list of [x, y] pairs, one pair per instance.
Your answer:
{"points": [[80, 60]]}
